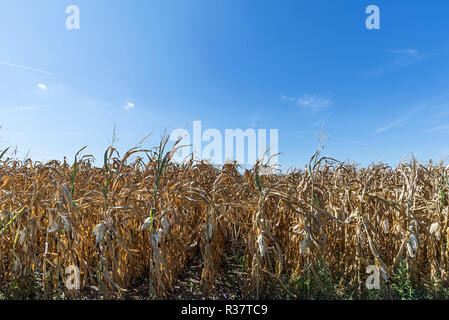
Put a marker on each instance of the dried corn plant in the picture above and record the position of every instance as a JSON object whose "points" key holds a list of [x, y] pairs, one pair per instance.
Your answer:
{"points": [[142, 215]]}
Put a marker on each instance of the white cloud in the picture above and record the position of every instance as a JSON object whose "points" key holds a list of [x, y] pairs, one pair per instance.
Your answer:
{"points": [[42, 86], [314, 101], [129, 106], [310, 101], [288, 99]]}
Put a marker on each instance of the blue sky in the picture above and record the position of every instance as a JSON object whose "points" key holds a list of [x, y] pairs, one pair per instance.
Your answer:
{"points": [[288, 65]]}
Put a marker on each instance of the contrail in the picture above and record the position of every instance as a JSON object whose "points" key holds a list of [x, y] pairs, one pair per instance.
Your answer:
{"points": [[29, 68], [350, 141]]}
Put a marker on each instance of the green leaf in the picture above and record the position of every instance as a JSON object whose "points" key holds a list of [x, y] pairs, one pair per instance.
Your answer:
{"points": [[259, 186], [11, 221]]}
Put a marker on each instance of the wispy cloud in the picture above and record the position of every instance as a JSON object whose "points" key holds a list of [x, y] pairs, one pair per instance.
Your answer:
{"points": [[399, 59], [314, 101], [349, 141], [42, 86], [26, 108], [403, 58], [310, 101], [439, 129], [439, 110], [29, 68], [430, 104], [402, 120], [390, 125], [254, 120], [288, 99], [129, 106]]}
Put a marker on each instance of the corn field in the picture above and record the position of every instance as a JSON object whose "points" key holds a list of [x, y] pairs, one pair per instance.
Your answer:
{"points": [[142, 215]]}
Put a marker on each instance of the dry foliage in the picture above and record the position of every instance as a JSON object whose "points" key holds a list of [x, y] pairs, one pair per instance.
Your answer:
{"points": [[131, 219]]}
